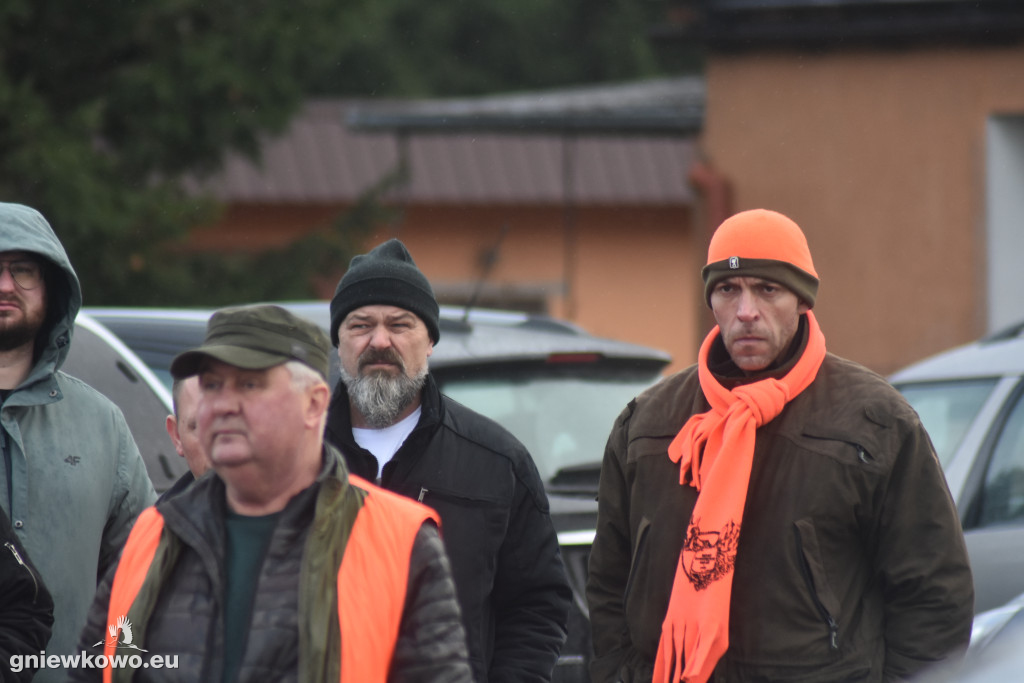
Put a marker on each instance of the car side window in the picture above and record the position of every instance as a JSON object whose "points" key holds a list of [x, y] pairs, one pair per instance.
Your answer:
{"points": [[948, 409], [1002, 496]]}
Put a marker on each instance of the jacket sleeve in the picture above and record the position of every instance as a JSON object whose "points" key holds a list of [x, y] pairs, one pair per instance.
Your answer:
{"points": [[531, 594], [95, 630], [929, 591], [431, 640], [26, 607], [134, 493], [609, 565]]}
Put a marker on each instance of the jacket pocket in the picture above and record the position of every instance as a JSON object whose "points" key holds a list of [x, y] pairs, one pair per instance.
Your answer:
{"points": [[813, 569], [648, 446], [638, 549], [461, 498], [472, 525], [843, 449]]}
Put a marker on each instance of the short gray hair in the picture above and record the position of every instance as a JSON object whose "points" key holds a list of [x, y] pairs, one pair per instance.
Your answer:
{"points": [[176, 386], [303, 376]]}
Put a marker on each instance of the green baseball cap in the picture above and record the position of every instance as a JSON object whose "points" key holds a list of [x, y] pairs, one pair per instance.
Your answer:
{"points": [[256, 338]]}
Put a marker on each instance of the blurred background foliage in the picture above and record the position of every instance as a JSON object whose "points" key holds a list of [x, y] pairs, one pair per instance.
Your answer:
{"points": [[105, 104]]}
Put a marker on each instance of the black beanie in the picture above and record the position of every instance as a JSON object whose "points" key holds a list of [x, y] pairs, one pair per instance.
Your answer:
{"points": [[386, 275]]}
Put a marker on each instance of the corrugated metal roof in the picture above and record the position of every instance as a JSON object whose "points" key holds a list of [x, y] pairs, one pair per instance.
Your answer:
{"points": [[659, 106], [319, 159], [315, 160]]}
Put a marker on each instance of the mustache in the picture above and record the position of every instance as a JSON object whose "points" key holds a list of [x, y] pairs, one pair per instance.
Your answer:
{"points": [[371, 356], [746, 329]]}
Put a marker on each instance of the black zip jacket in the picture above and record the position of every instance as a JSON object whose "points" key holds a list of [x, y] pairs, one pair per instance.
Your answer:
{"points": [[507, 567], [26, 608]]}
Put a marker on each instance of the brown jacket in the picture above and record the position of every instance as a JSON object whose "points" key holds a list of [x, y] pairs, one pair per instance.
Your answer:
{"points": [[851, 563]]}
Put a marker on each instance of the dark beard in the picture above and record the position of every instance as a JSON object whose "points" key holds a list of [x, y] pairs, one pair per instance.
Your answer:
{"points": [[15, 335]]}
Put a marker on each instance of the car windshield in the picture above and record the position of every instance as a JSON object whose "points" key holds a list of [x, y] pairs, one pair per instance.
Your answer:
{"points": [[947, 409], [563, 421]]}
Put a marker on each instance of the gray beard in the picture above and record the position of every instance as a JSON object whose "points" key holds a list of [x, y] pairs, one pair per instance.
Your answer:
{"points": [[381, 398]]}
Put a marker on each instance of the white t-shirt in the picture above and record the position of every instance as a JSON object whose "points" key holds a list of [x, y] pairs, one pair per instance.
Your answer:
{"points": [[384, 443]]}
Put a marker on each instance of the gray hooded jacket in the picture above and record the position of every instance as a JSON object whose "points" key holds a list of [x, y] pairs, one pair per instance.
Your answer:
{"points": [[72, 479]]}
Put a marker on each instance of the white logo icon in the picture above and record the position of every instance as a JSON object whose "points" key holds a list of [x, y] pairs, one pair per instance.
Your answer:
{"points": [[734, 262], [122, 627]]}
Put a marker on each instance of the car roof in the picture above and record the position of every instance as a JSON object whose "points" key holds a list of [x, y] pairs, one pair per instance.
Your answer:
{"points": [[1000, 354], [484, 336]]}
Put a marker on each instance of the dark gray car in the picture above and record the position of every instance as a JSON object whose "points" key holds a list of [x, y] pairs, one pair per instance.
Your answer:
{"points": [[555, 387]]}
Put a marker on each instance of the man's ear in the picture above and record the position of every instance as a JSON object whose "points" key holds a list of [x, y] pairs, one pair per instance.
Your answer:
{"points": [[802, 307], [317, 399], [172, 431]]}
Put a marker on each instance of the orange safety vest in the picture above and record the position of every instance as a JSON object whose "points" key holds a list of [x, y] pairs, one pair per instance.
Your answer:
{"points": [[372, 579]]}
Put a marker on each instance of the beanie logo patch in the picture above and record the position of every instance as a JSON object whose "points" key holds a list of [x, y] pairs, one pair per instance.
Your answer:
{"points": [[734, 262]]}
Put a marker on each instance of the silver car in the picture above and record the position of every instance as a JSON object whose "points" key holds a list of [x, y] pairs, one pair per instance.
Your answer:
{"points": [[971, 400]]}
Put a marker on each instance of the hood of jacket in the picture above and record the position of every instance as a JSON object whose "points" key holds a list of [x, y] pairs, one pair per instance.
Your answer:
{"points": [[24, 229]]}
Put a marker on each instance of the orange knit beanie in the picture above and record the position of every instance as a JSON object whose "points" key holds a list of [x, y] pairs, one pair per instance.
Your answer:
{"points": [[764, 244]]}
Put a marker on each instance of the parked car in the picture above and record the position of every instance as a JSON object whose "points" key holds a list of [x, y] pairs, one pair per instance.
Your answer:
{"points": [[557, 388], [971, 400], [102, 360], [996, 653]]}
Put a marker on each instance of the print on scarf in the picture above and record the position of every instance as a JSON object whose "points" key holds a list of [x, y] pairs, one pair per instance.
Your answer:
{"points": [[709, 555]]}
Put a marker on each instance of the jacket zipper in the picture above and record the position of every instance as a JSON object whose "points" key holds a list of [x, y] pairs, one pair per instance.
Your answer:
{"points": [[862, 453], [423, 493], [17, 556], [830, 622], [5, 448]]}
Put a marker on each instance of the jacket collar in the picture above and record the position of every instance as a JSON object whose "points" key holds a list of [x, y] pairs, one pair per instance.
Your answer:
{"points": [[192, 507], [665, 401]]}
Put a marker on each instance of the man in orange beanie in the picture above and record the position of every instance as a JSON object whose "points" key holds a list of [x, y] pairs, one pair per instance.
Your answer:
{"points": [[775, 512]]}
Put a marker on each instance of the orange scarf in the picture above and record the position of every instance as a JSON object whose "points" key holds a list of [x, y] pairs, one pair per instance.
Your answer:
{"points": [[696, 626]]}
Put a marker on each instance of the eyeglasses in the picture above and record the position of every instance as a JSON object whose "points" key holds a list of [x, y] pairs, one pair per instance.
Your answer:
{"points": [[26, 274]]}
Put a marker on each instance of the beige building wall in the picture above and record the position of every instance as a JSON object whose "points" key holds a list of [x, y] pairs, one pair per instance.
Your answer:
{"points": [[880, 157], [632, 273], [257, 227]]}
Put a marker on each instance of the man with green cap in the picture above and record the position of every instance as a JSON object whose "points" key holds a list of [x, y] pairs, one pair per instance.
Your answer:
{"points": [[281, 567], [390, 420]]}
